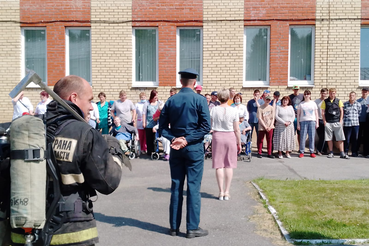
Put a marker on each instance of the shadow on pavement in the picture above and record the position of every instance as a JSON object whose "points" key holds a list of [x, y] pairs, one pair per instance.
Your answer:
{"points": [[123, 221], [203, 194]]}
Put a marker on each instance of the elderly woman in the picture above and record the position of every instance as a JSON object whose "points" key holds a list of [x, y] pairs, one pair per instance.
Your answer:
{"points": [[242, 110], [104, 114], [41, 106], [226, 143], [148, 121], [124, 108], [284, 139]]}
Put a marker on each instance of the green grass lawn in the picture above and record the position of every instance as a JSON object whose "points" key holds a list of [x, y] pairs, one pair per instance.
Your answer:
{"points": [[317, 209]]}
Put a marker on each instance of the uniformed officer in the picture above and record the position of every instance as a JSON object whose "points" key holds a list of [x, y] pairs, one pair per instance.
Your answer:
{"points": [[86, 161], [187, 113]]}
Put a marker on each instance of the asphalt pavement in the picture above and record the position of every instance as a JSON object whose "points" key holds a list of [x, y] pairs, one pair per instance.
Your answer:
{"points": [[137, 213]]}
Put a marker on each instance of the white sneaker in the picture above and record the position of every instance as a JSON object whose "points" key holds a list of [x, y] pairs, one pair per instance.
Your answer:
{"points": [[288, 156], [330, 155], [281, 157]]}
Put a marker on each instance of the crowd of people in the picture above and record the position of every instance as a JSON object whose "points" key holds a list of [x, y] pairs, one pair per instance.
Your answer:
{"points": [[280, 120]]}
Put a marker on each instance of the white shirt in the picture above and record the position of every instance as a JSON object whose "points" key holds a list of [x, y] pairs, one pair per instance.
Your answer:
{"points": [[41, 107], [222, 118], [139, 108], [21, 106], [307, 111], [94, 114], [242, 111]]}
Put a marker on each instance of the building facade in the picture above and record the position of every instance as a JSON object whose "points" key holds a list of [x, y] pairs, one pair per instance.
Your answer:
{"points": [[140, 45]]}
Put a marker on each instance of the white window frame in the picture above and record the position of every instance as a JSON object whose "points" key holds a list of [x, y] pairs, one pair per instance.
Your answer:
{"points": [[67, 70], [304, 83], [362, 82], [144, 83], [178, 77], [23, 53], [255, 83]]}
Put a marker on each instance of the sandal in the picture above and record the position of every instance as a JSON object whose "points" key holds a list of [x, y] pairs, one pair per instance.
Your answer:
{"points": [[221, 196], [227, 196]]}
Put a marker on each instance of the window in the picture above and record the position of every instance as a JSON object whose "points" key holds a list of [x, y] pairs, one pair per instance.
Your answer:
{"points": [[301, 56], [256, 56], [364, 56], [78, 52], [189, 51], [34, 53], [145, 57]]}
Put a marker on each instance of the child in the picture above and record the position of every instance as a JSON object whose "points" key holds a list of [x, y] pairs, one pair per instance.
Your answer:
{"points": [[163, 140], [123, 132]]}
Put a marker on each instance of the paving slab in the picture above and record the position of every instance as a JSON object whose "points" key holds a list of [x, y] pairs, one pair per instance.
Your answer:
{"points": [[137, 213]]}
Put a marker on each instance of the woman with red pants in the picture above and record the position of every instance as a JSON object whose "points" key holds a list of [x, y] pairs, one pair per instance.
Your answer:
{"points": [[266, 118]]}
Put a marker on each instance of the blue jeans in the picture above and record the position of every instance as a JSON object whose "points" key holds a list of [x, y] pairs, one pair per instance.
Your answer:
{"points": [[307, 128], [351, 132]]}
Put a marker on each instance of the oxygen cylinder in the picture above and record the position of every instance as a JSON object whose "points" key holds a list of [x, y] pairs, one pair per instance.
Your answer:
{"points": [[28, 173]]}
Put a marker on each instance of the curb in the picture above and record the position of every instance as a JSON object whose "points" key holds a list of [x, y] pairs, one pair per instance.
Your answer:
{"points": [[286, 234]]}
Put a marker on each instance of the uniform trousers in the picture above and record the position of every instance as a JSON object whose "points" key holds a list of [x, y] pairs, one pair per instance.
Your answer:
{"points": [[189, 162]]}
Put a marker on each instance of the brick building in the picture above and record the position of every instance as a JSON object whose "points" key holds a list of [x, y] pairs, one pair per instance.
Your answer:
{"points": [[139, 45]]}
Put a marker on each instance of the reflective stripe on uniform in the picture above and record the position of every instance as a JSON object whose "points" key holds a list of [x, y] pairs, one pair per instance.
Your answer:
{"points": [[118, 161], [60, 239], [68, 179]]}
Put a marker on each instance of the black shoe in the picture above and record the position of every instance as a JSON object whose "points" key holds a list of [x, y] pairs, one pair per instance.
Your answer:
{"points": [[354, 155], [173, 232], [271, 156], [196, 233], [259, 155]]}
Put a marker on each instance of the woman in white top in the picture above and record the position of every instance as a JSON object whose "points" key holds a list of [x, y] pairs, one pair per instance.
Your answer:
{"points": [[242, 110], [141, 131], [41, 106], [226, 143], [307, 122]]}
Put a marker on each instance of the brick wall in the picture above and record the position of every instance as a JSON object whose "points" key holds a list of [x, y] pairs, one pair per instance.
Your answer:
{"points": [[337, 48], [223, 44], [43, 13], [365, 11], [10, 52]]}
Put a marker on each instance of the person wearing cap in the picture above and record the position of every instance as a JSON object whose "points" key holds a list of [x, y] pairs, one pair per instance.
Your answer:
{"points": [[198, 89], [307, 123], [266, 118], [296, 99], [332, 113], [252, 108], [187, 113], [364, 101], [232, 93], [321, 147], [214, 99]]}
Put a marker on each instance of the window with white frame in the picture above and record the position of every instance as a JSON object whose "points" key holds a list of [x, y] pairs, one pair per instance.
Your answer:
{"points": [[256, 56], [301, 55], [145, 57], [78, 52], [34, 52], [189, 51], [364, 56]]}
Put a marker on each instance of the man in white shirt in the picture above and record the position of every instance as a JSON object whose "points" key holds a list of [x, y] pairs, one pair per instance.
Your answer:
{"points": [[21, 104]]}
